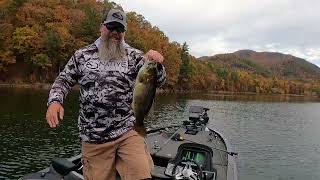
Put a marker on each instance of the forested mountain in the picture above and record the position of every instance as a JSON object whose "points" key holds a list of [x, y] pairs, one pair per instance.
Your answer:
{"points": [[37, 38], [268, 64]]}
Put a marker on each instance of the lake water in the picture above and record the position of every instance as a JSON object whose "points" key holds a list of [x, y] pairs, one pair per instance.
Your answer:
{"points": [[277, 137]]}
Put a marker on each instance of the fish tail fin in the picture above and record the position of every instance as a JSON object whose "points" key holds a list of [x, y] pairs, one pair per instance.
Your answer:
{"points": [[141, 130]]}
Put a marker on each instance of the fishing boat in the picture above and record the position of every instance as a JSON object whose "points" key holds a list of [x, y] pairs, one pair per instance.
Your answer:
{"points": [[188, 151]]}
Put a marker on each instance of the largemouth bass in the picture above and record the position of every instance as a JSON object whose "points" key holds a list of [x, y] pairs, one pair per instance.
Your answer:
{"points": [[144, 93]]}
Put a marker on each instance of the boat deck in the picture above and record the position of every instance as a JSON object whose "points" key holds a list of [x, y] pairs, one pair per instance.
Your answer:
{"points": [[168, 151]]}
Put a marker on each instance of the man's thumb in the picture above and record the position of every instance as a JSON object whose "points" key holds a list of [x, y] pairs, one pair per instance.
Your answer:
{"points": [[61, 112]]}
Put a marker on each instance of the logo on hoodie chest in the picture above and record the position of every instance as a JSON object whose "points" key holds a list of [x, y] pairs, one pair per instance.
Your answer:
{"points": [[105, 66]]}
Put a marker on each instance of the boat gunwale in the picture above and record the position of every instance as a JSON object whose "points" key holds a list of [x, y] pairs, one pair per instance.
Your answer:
{"points": [[231, 159]]}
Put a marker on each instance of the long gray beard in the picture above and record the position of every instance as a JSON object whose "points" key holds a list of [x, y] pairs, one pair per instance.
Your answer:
{"points": [[110, 50]]}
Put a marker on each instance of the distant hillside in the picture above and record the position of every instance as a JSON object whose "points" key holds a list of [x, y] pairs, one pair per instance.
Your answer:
{"points": [[268, 64], [38, 37]]}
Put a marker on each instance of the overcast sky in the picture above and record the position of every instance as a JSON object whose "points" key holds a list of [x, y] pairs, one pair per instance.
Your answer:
{"points": [[221, 26]]}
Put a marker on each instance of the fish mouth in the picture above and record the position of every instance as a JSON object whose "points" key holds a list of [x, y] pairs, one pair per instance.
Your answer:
{"points": [[151, 63]]}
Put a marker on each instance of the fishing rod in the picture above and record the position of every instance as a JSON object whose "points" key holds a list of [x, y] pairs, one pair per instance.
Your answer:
{"points": [[166, 142], [162, 128]]}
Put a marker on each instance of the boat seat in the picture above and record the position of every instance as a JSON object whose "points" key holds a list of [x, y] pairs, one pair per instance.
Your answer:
{"points": [[63, 166]]}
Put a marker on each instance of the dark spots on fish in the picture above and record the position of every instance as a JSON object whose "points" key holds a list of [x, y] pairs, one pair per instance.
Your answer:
{"points": [[143, 79]]}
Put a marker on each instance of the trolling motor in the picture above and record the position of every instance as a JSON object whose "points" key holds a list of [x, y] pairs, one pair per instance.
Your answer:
{"points": [[198, 118]]}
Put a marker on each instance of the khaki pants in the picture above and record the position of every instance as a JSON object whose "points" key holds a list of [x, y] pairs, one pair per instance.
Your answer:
{"points": [[128, 155]]}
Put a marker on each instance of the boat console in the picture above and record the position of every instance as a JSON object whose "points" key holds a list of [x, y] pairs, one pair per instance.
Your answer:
{"points": [[191, 161]]}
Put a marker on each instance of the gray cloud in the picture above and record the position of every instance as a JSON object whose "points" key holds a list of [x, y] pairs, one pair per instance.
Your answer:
{"points": [[213, 26]]}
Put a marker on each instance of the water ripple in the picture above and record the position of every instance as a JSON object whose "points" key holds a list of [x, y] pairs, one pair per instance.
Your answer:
{"points": [[275, 140]]}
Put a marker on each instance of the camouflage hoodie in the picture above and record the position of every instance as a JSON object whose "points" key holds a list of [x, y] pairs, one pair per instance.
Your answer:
{"points": [[106, 91]]}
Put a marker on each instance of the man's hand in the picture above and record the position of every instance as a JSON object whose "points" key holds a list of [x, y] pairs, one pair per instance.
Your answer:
{"points": [[154, 56], [52, 114]]}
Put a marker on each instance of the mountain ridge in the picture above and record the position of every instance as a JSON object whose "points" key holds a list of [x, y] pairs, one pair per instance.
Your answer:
{"points": [[267, 64]]}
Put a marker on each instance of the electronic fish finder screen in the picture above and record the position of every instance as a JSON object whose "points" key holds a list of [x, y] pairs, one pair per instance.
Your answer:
{"points": [[198, 157]]}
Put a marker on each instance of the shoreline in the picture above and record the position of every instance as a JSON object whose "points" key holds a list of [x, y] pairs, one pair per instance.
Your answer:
{"points": [[24, 85], [47, 86]]}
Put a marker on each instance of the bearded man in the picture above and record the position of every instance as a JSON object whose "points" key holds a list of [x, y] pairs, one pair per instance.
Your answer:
{"points": [[106, 71]]}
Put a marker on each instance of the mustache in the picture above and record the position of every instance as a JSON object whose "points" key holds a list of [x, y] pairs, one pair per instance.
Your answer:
{"points": [[115, 36]]}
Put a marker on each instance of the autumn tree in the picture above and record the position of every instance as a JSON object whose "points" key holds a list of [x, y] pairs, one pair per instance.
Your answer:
{"points": [[40, 36]]}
